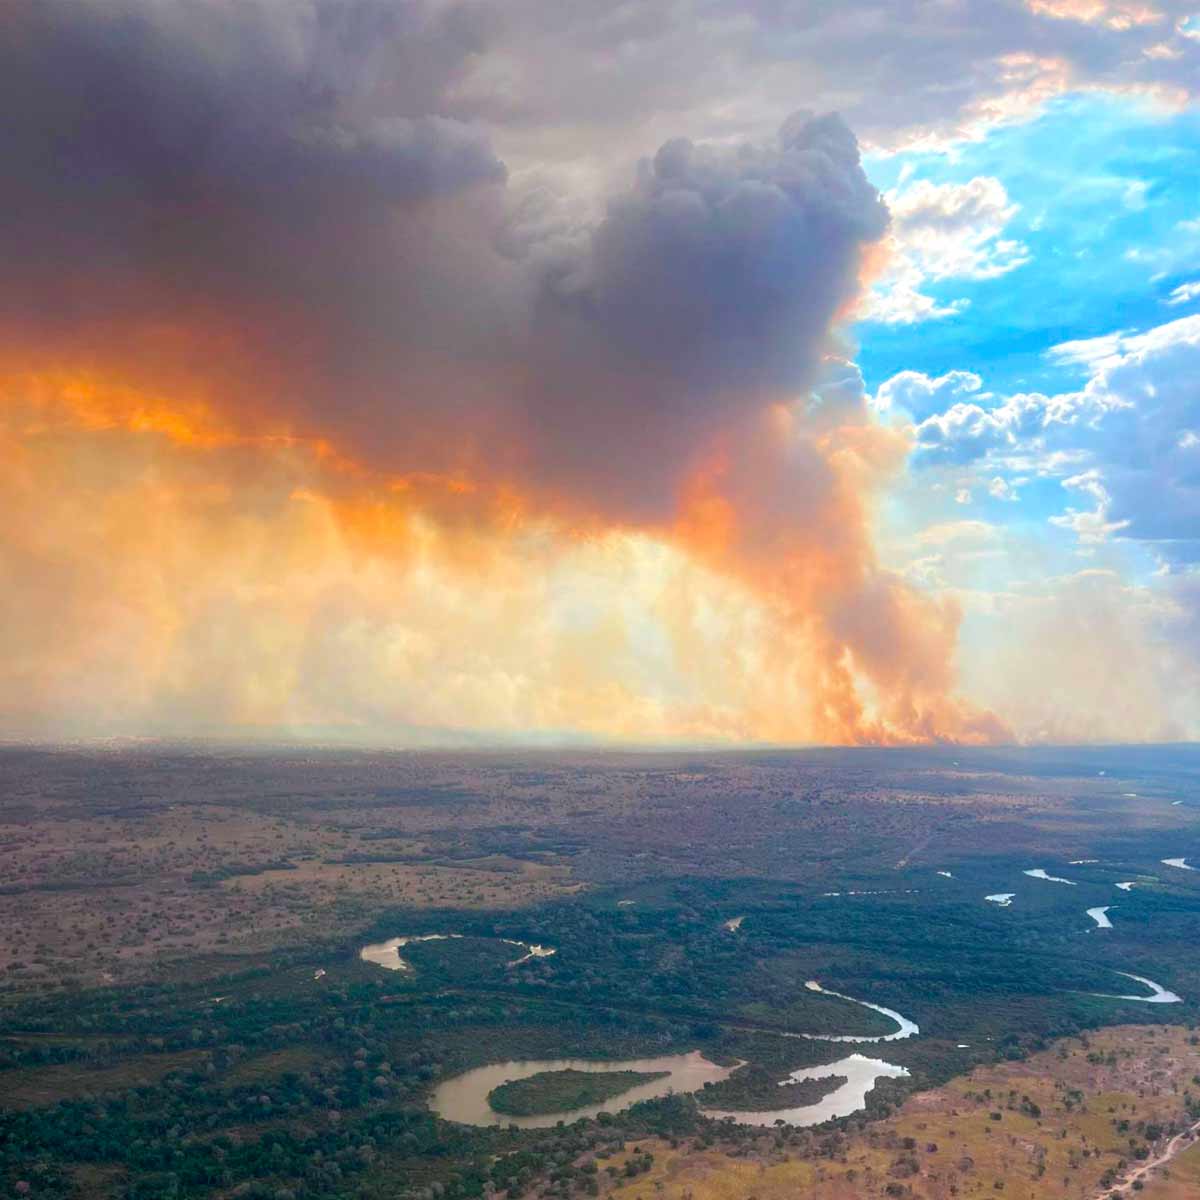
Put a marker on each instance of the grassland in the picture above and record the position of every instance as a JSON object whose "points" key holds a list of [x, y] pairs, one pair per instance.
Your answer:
{"points": [[1066, 1123], [1179, 1180], [121, 860], [184, 1013]]}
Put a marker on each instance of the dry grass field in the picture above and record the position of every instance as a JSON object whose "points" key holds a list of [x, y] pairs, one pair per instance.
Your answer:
{"points": [[107, 878], [1062, 1124], [1180, 1181], [119, 860]]}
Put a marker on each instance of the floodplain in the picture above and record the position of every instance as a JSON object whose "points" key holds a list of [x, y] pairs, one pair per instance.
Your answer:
{"points": [[197, 999]]}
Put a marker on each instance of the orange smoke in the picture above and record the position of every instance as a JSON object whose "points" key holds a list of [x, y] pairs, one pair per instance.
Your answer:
{"points": [[873, 656], [172, 570]]}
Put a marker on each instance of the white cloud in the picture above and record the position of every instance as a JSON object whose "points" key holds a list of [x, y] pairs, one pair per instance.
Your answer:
{"points": [[1128, 439], [1111, 349], [953, 229], [1134, 195], [1185, 293], [920, 395], [926, 571], [940, 232], [967, 432], [1088, 352], [1089, 525], [959, 533]]}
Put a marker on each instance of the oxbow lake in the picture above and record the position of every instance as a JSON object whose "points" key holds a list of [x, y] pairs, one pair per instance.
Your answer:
{"points": [[465, 1097], [387, 954]]}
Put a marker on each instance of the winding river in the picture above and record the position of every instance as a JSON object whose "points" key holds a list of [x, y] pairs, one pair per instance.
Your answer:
{"points": [[465, 1097], [1181, 863], [906, 1028], [861, 1074], [1159, 994], [1040, 873], [387, 954]]}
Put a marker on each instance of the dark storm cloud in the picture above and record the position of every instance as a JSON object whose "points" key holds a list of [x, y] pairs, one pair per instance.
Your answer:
{"points": [[204, 152], [282, 178], [730, 263], [707, 291], [271, 156], [290, 210], [578, 81]]}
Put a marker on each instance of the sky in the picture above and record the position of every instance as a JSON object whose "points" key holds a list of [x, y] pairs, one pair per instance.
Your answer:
{"points": [[425, 372]]}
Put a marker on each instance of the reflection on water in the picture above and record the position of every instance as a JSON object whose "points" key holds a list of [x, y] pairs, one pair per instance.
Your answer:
{"points": [[387, 954], [1160, 995], [861, 1075], [906, 1028], [465, 1097], [531, 951], [1040, 873]]}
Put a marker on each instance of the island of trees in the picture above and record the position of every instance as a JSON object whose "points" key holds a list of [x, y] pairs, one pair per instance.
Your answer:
{"points": [[564, 1091]]}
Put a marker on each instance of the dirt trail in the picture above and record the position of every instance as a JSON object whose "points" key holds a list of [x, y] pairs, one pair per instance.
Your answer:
{"points": [[1181, 1141]]}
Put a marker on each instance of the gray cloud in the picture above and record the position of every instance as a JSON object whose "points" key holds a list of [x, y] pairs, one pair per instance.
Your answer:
{"points": [[578, 82], [295, 211], [292, 183], [708, 290], [1129, 439], [213, 154], [729, 264]]}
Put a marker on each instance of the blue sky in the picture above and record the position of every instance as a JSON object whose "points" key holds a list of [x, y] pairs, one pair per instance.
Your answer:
{"points": [[1103, 184], [1053, 494]]}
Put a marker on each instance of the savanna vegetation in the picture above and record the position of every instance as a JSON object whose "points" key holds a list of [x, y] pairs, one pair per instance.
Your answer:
{"points": [[293, 1069]]}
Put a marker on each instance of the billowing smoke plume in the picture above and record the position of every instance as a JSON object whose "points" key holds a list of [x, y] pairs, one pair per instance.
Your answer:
{"points": [[248, 230]]}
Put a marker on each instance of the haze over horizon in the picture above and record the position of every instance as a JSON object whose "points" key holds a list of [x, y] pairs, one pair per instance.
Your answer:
{"points": [[655, 374]]}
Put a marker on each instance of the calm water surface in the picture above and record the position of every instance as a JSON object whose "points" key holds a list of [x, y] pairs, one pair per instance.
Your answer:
{"points": [[465, 1097]]}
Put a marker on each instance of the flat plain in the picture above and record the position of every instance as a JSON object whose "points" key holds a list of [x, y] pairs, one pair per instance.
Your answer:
{"points": [[184, 1010]]}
